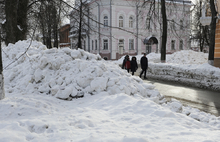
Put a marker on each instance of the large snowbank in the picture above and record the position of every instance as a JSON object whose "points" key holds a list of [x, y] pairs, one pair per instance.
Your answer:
{"points": [[66, 73], [115, 105], [200, 75]]}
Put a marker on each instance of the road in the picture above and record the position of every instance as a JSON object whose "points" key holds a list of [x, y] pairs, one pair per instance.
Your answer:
{"points": [[205, 100]]}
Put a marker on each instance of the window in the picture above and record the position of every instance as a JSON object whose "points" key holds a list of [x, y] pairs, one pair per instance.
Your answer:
{"points": [[131, 22], [173, 25], [121, 43], [84, 45], [173, 45], [120, 21], [131, 44], [96, 44], [148, 23], [105, 44], [92, 44], [181, 24], [121, 46], [181, 45], [105, 21]]}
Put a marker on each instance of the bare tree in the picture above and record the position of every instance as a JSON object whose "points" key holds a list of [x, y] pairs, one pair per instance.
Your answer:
{"points": [[200, 34], [164, 31], [47, 15], [80, 16], [16, 20], [157, 16]]}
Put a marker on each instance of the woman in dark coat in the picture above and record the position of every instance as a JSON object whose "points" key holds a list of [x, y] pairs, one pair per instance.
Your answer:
{"points": [[134, 65], [124, 61]]}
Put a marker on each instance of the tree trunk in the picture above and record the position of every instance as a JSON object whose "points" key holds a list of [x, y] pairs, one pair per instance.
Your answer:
{"points": [[55, 26], [212, 33], [22, 20], [11, 21], [80, 27], [49, 26], [164, 31], [2, 90]]}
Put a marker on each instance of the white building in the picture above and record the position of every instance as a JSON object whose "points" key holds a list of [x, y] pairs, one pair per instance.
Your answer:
{"points": [[122, 27]]}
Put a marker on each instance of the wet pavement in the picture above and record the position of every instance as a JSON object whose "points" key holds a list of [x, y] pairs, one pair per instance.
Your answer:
{"points": [[203, 99]]}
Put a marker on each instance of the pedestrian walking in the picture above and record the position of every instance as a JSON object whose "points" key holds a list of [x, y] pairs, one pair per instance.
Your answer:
{"points": [[128, 64], [124, 61], [144, 65], [134, 65]]}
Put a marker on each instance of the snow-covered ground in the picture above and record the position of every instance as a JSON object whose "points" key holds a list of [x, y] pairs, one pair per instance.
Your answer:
{"points": [[44, 102]]}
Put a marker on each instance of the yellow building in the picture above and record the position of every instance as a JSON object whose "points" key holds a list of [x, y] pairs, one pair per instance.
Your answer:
{"points": [[217, 40]]}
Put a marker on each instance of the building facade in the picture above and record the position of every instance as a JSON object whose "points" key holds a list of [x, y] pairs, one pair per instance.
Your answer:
{"points": [[217, 40], [133, 27]]}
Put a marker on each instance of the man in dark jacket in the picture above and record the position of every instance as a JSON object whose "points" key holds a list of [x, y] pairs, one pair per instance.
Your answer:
{"points": [[144, 65], [134, 65]]}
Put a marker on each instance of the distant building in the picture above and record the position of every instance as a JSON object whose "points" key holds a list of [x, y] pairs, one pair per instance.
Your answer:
{"points": [[64, 36], [125, 27]]}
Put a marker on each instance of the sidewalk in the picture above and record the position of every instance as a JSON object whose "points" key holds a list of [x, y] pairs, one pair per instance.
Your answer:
{"points": [[203, 99]]}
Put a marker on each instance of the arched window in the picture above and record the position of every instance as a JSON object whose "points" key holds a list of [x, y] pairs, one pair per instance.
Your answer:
{"points": [[105, 21], [131, 22], [121, 21]]}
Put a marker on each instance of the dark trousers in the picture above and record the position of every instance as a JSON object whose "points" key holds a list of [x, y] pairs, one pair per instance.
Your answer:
{"points": [[143, 71], [132, 72]]}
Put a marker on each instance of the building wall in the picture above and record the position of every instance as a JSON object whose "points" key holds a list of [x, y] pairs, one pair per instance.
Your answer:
{"points": [[127, 8], [217, 41]]}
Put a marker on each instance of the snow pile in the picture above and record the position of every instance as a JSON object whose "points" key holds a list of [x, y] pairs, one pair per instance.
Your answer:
{"points": [[176, 106], [187, 57], [66, 73], [115, 105], [200, 75]]}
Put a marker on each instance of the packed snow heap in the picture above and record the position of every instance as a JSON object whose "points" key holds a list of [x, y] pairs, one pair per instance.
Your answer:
{"points": [[66, 73]]}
